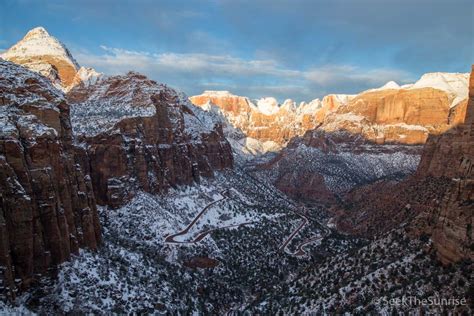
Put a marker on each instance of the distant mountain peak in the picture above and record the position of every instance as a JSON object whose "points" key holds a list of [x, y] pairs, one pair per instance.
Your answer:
{"points": [[36, 32], [39, 47]]}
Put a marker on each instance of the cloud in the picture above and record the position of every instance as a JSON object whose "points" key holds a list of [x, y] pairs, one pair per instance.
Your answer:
{"points": [[195, 72], [289, 48], [412, 34]]}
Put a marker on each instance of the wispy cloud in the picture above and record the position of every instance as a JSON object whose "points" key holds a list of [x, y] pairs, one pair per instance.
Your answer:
{"points": [[195, 72]]}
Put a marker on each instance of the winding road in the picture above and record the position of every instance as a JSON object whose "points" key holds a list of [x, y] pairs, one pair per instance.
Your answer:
{"points": [[283, 247], [304, 222], [300, 249], [202, 234], [170, 238]]}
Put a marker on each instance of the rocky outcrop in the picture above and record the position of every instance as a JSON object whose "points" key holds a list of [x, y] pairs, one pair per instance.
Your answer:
{"points": [[130, 134], [438, 200], [42, 53], [319, 166], [394, 116], [151, 138], [264, 120], [451, 155], [47, 205], [387, 115], [343, 141]]}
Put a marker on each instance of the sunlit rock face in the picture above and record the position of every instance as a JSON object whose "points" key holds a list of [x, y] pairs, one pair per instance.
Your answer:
{"points": [[40, 48], [46, 55], [389, 114], [437, 200]]}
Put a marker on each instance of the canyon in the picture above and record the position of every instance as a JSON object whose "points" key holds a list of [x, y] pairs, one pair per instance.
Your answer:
{"points": [[128, 195], [54, 176]]}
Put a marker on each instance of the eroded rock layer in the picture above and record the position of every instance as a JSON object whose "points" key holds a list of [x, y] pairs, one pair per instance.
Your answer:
{"points": [[438, 200], [174, 144], [388, 115], [47, 205]]}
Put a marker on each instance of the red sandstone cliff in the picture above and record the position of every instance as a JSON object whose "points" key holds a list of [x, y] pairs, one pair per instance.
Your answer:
{"points": [[391, 114], [161, 140], [47, 206], [438, 200], [451, 155]]}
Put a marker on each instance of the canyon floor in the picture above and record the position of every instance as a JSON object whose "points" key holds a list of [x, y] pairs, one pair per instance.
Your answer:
{"points": [[235, 244]]}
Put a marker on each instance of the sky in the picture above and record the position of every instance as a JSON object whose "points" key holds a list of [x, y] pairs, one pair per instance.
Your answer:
{"points": [[299, 49]]}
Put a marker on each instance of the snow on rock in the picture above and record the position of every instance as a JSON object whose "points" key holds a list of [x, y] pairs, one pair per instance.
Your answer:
{"points": [[343, 99], [309, 108], [218, 93], [87, 76], [289, 105], [109, 100], [268, 105], [40, 51], [391, 85], [12, 88], [38, 42], [455, 84]]}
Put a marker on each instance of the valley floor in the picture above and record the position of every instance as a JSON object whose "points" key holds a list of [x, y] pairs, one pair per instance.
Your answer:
{"points": [[235, 244]]}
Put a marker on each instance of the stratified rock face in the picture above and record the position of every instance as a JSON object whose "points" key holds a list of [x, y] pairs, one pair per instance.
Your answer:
{"points": [[390, 114], [40, 52], [439, 197], [47, 206], [451, 155], [404, 115], [265, 120], [141, 135]]}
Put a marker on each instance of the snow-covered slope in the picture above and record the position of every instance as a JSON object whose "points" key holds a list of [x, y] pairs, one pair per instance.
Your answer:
{"points": [[38, 42], [86, 76], [102, 101], [387, 86], [268, 106], [38, 49], [455, 84], [45, 54]]}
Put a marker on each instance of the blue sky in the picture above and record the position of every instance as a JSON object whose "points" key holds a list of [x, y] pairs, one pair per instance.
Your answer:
{"points": [[298, 49]]}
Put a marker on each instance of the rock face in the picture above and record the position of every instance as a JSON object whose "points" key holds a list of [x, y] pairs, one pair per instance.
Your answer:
{"points": [[48, 208], [264, 125], [404, 116], [150, 137], [319, 166], [451, 155], [438, 200], [387, 115], [331, 146], [130, 134], [40, 52]]}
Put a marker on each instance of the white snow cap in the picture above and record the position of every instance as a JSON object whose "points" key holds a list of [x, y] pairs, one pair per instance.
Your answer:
{"points": [[455, 84], [390, 85], [311, 107], [289, 105], [38, 42], [217, 93], [88, 76], [268, 105]]}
